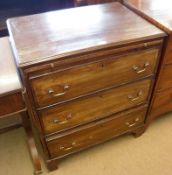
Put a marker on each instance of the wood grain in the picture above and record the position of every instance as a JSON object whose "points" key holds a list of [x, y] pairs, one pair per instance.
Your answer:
{"points": [[50, 32], [11, 103], [165, 80], [95, 107], [111, 71], [162, 103], [95, 133]]}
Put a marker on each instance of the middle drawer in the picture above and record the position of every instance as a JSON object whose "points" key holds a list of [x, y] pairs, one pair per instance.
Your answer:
{"points": [[84, 110], [88, 78]]}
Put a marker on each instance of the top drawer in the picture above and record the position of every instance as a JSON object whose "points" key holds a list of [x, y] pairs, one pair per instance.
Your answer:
{"points": [[84, 79]]}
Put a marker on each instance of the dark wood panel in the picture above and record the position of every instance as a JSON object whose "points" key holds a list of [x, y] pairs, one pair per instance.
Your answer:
{"points": [[109, 72], [168, 51], [95, 133], [165, 79], [11, 103], [162, 103], [95, 107]]}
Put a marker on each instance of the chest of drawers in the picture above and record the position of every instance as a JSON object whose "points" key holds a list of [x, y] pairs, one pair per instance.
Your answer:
{"points": [[87, 80], [159, 14]]}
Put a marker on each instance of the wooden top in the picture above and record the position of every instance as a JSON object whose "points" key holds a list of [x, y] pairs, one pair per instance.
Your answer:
{"points": [[9, 78], [157, 11], [51, 35]]}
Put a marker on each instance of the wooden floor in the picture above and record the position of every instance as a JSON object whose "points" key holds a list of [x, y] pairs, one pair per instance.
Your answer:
{"points": [[149, 154]]}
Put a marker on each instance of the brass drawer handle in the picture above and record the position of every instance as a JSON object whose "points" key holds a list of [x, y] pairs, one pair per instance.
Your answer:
{"points": [[59, 94], [56, 121], [139, 71], [68, 148], [139, 94], [61, 147], [130, 125], [68, 117], [52, 92]]}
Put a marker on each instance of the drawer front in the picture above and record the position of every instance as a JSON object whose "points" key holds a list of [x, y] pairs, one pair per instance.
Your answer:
{"points": [[96, 133], [11, 103], [162, 103], [165, 78], [84, 110], [86, 79]]}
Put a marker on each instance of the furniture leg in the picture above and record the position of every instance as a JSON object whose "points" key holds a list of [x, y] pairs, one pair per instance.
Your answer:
{"points": [[31, 143], [139, 131], [52, 165]]}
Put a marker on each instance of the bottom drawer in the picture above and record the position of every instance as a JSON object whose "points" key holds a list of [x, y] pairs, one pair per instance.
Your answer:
{"points": [[162, 103], [97, 132]]}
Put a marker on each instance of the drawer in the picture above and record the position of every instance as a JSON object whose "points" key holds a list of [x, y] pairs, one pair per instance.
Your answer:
{"points": [[85, 79], [95, 133], [84, 110], [162, 103], [165, 80], [11, 103]]}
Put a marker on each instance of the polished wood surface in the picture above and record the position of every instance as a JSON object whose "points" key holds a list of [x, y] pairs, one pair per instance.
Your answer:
{"points": [[70, 83], [95, 133], [157, 11], [100, 105], [9, 79], [50, 32]]}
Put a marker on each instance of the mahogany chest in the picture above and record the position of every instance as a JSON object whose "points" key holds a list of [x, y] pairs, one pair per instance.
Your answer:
{"points": [[88, 73]]}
